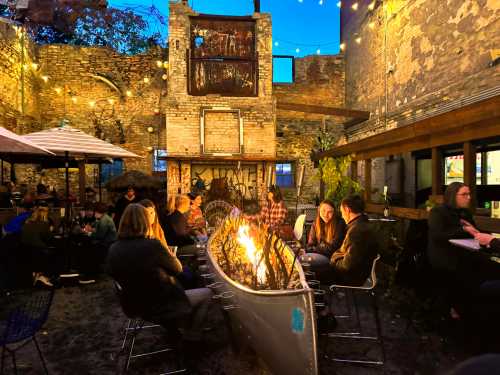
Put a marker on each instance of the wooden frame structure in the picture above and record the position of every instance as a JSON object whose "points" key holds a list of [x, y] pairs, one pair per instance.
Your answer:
{"points": [[465, 125]]}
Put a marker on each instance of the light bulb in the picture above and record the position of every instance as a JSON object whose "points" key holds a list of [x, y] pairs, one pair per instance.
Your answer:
{"points": [[342, 46], [150, 129], [74, 99], [111, 101], [372, 5], [355, 6], [318, 51], [58, 90], [159, 64], [34, 66], [371, 25], [339, 4], [129, 93], [297, 50], [45, 78], [358, 40], [165, 64], [146, 80], [92, 103], [320, 2], [164, 77], [276, 44], [149, 148], [157, 110]]}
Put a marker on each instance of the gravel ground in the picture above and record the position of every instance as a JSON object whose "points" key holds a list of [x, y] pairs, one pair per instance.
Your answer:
{"points": [[85, 328]]}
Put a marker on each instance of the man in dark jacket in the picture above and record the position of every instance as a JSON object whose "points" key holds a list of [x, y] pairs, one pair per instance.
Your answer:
{"points": [[351, 264]]}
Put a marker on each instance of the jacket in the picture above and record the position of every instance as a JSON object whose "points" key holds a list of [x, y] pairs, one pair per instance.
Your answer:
{"points": [[444, 224], [352, 263], [147, 274]]}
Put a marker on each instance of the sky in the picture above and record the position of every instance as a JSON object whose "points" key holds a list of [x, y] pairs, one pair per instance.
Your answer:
{"points": [[300, 27]]}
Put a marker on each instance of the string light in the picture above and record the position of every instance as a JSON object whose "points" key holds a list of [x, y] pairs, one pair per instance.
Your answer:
{"points": [[146, 80], [58, 90], [34, 66], [339, 4], [164, 77], [150, 129], [372, 5], [159, 64], [129, 93], [165, 64], [342, 46], [355, 6], [92, 104], [74, 99], [111, 101], [358, 40], [44, 78]]}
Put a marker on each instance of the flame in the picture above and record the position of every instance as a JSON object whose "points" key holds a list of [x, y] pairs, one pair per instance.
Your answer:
{"points": [[252, 253]]}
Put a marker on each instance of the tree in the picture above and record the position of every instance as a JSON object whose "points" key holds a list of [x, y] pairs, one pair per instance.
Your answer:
{"points": [[88, 23], [338, 184]]}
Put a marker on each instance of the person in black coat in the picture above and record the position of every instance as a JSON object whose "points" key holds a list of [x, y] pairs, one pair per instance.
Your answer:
{"points": [[123, 202], [352, 263], [146, 273]]}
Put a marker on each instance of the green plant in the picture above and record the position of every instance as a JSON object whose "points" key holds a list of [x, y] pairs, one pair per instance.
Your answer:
{"points": [[333, 172]]}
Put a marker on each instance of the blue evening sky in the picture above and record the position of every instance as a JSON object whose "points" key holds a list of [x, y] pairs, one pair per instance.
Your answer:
{"points": [[300, 27]]}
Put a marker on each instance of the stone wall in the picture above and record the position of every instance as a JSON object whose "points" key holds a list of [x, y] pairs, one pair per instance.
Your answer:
{"points": [[18, 83], [417, 53], [407, 58], [319, 80]]}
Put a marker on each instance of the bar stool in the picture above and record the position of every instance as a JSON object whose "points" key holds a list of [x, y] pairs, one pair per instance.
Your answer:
{"points": [[369, 288]]}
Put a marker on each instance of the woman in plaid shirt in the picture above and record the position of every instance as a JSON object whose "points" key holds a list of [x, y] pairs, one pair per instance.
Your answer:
{"points": [[274, 212]]}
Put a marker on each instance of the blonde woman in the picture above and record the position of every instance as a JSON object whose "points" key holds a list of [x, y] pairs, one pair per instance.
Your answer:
{"points": [[155, 229], [176, 225], [35, 238]]}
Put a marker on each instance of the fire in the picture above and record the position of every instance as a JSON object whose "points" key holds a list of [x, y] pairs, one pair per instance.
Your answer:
{"points": [[254, 255]]}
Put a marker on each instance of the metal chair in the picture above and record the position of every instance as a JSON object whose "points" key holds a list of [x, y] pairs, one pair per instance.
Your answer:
{"points": [[133, 327], [369, 288], [22, 324], [298, 231]]}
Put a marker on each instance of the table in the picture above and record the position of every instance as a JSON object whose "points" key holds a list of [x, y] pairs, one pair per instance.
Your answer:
{"points": [[466, 243]]}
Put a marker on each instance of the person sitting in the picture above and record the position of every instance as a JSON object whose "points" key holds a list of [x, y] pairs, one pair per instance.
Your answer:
{"points": [[488, 240], [352, 262], [35, 237], [101, 235], [325, 237], [176, 226], [147, 275], [196, 222], [123, 202], [155, 230], [15, 225], [273, 213]]}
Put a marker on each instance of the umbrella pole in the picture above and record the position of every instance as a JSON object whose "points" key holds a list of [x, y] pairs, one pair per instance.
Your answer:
{"points": [[66, 172], [2, 170], [100, 181]]}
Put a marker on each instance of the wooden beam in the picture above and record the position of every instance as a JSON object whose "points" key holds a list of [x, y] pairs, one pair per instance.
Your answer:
{"points": [[324, 110], [456, 126], [437, 171], [470, 170], [368, 180]]}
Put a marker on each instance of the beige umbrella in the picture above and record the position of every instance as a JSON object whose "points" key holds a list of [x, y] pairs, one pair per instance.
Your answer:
{"points": [[11, 143]]}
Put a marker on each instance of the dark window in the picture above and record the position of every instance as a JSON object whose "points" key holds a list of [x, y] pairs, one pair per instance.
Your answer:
{"points": [[285, 175], [159, 165], [108, 171]]}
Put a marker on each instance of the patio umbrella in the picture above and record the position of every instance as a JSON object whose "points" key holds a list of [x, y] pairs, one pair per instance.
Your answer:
{"points": [[136, 179], [77, 143], [11, 143]]}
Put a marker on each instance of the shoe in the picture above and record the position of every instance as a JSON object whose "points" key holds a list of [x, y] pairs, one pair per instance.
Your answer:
{"points": [[43, 280], [85, 281]]}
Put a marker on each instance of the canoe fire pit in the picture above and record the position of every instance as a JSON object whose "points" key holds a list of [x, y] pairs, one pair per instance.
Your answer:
{"points": [[263, 288]]}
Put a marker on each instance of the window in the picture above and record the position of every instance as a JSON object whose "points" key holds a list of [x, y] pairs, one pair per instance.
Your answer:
{"points": [[454, 169], [108, 171], [159, 164], [493, 167], [285, 175], [283, 69]]}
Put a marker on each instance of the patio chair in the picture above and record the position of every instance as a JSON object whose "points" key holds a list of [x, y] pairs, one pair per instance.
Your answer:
{"points": [[369, 288], [298, 231], [134, 326], [22, 324]]}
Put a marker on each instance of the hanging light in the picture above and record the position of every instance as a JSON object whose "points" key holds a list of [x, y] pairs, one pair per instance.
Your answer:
{"points": [[372, 5], [159, 64], [354, 6]]}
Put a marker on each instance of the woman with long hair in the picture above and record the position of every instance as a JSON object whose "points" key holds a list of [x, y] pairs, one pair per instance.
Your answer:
{"points": [[35, 238], [155, 229], [326, 235], [273, 213], [147, 275]]}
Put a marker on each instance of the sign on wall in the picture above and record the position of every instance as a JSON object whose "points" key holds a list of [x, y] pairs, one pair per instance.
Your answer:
{"points": [[222, 56]]}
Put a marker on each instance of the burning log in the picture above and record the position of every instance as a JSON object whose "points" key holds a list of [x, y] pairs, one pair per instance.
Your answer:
{"points": [[250, 255]]}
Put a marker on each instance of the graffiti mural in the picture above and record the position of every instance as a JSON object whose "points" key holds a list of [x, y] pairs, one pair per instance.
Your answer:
{"points": [[223, 57]]}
